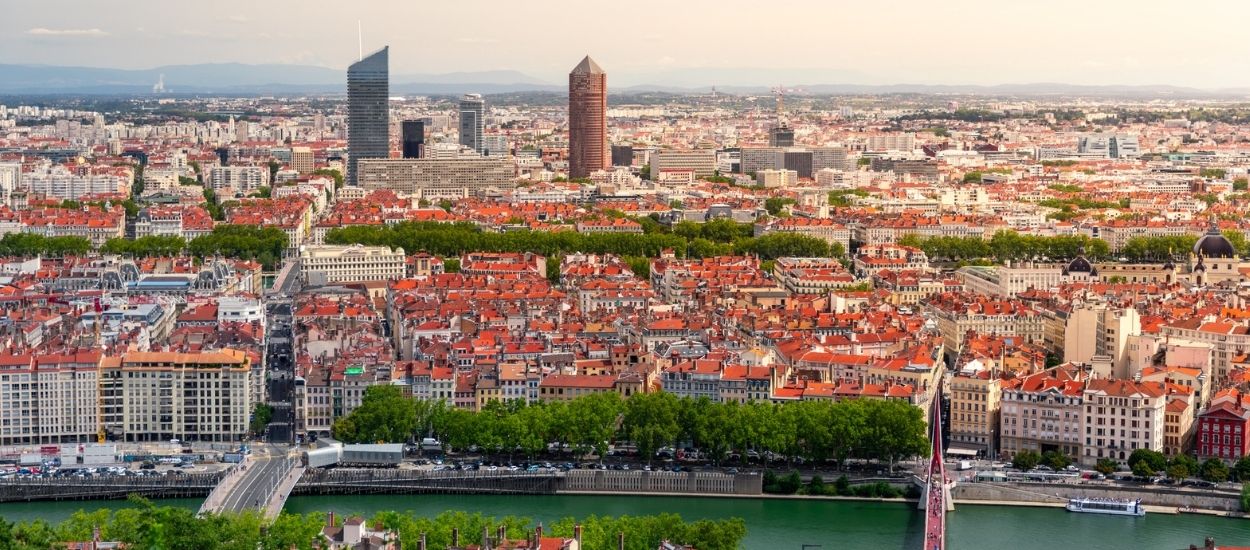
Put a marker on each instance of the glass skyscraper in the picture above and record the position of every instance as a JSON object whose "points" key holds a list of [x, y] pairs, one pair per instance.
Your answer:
{"points": [[472, 121], [368, 114]]}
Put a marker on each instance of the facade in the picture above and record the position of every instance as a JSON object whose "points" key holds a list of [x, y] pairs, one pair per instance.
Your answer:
{"points": [[158, 396], [413, 139], [588, 119], [368, 111], [351, 263], [472, 121], [438, 178], [1042, 412], [975, 395], [49, 399], [302, 160], [1122, 416], [700, 161], [1111, 146], [1223, 430], [780, 136], [238, 179], [59, 183], [1099, 334], [777, 178]]}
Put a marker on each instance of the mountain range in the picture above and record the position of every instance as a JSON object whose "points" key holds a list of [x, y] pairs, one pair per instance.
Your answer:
{"points": [[244, 79]]}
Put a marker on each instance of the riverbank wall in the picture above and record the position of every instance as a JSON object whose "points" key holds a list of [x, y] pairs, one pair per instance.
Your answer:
{"points": [[182, 486], [1050, 494]]}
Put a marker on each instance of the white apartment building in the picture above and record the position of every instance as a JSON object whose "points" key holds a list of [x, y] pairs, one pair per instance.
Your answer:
{"points": [[48, 399], [1042, 412], [238, 179], [1122, 416], [59, 183], [351, 263], [158, 396]]}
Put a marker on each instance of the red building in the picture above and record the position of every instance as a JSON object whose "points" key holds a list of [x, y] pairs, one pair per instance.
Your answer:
{"points": [[588, 119], [1224, 425]]}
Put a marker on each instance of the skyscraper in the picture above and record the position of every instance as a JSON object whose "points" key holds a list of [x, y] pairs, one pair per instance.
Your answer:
{"points": [[413, 139], [588, 119], [368, 115], [472, 121]]}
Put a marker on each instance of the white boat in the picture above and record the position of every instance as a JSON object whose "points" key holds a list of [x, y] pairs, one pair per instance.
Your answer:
{"points": [[1112, 506]]}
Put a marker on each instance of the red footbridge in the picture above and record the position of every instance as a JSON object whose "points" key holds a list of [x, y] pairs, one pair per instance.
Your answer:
{"points": [[934, 501]]}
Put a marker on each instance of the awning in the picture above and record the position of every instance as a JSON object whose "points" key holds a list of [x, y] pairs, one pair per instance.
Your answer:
{"points": [[962, 452]]}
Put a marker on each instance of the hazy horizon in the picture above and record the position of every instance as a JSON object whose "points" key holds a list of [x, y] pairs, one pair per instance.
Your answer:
{"points": [[689, 44]]}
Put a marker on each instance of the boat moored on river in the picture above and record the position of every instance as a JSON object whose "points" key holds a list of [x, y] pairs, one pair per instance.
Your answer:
{"points": [[1112, 506]]}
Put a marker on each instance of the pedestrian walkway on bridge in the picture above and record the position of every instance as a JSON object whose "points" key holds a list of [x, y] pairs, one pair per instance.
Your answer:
{"points": [[262, 482]]}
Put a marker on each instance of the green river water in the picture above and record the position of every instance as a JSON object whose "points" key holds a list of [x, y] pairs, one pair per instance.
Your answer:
{"points": [[786, 524]]}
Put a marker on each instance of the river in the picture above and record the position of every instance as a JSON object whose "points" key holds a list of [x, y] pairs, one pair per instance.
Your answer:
{"points": [[784, 524]]}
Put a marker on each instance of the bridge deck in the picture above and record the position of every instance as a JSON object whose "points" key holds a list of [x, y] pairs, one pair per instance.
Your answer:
{"points": [[935, 496], [255, 487]]}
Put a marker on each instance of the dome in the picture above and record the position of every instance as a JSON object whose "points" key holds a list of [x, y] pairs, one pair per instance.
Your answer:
{"points": [[1214, 245], [1080, 265]]}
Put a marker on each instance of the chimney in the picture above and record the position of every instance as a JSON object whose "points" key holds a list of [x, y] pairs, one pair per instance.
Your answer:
{"points": [[503, 535], [620, 541], [330, 519], [486, 537], [577, 534], [421, 542], [538, 535], [455, 537]]}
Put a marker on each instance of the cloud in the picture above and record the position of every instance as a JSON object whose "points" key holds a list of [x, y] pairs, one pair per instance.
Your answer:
{"points": [[41, 31]]}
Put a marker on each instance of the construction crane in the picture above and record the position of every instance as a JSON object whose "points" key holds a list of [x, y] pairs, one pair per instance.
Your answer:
{"points": [[780, 93]]}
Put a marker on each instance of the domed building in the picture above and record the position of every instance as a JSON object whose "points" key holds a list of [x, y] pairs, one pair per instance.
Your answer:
{"points": [[1214, 260], [1079, 269]]}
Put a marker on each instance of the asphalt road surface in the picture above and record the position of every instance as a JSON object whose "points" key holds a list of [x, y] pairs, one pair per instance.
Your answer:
{"points": [[253, 490]]}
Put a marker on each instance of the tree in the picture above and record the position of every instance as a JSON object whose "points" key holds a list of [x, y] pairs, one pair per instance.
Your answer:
{"points": [[1245, 497], [1182, 466], [1106, 466], [1025, 460], [1241, 184], [774, 205], [1214, 470], [384, 415], [1154, 462], [651, 422], [263, 244], [262, 414], [1241, 470], [262, 192], [1056, 460]]}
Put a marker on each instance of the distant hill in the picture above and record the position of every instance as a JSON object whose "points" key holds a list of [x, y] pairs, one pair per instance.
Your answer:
{"points": [[244, 79]]}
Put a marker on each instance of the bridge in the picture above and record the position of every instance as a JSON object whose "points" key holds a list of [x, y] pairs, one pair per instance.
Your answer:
{"points": [[937, 498], [262, 482]]}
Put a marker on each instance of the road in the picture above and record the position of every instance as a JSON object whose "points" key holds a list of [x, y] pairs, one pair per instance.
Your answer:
{"points": [[281, 371], [264, 472]]}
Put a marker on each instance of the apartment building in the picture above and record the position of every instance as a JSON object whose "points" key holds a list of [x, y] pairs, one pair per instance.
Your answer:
{"points": [[326, 263], [158, 396], [957, 314], [1042, 412], [48, 399], [1223, 429], [1122, 416], [237, 179], [59, 183], [975, 394]]}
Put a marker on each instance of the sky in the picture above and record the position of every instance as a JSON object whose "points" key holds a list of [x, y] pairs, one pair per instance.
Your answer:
{"points": [[663, 42]]}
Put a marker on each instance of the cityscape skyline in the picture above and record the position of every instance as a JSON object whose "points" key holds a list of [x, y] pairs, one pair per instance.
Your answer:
{"points": [[668, 51]]}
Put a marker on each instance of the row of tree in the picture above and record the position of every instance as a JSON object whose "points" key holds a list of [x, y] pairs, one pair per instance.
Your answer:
{"points": [[1009, 245], [454, 239], [887, 430], [30, 244], [145, 525], [1145, 462], [262, 244], [142, 247]]}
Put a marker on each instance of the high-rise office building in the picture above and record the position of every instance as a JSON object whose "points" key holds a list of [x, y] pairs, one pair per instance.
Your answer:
{"points": [[588, 119], [472, 121], [302, 160], [368, 114], [780, 136], [413, 139], [622, 155]]}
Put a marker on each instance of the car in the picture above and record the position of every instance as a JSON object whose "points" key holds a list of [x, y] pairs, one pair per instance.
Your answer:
{"points": [[1044, 468], [1071, 468], [1100, 477]]}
